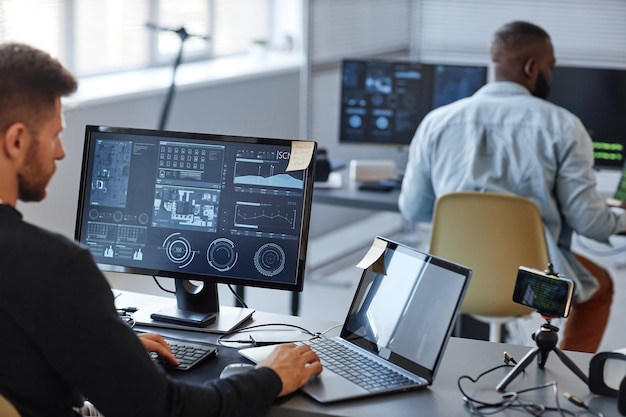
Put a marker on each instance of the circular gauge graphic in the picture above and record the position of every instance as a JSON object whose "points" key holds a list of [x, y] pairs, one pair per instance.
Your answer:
{"points": [[355, 121], [382, 123], [93, 214], [143, 218], [221, 254], [269, 259], [118, 216], [178, 250]]}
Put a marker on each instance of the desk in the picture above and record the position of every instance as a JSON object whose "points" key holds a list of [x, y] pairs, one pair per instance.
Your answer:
{"points": [[462, 357], [350, 196]]}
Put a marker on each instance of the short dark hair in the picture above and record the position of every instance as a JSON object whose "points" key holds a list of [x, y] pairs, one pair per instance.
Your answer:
{"points": [[30, 82], [514, 35]]}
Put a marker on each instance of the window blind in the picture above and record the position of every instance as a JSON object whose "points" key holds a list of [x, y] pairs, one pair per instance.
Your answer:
{"points": [[583, 32]]}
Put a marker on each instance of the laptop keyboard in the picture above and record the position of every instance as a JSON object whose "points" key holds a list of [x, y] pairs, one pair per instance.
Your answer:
{"points": [[358, 368], [188, 354]]}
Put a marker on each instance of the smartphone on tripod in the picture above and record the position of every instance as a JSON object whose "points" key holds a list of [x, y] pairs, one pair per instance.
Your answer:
{"points": [[550, 295]]}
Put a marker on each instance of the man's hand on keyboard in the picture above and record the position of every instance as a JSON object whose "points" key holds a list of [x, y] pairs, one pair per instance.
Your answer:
{"points": [[295, 365], [155, 343]]}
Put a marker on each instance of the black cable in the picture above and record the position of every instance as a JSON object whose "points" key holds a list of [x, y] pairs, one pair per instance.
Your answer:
{"points": [[221, 341], [468, 398], [126, 315], [237, 297], [241, 301], [580, 403], [161, 287], [511, 400]]}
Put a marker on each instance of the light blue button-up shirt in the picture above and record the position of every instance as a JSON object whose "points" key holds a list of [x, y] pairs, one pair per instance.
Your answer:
{"points": [[503, 139]]}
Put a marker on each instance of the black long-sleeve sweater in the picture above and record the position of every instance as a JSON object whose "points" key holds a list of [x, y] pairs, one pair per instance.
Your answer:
{"points": [[61, 339]]}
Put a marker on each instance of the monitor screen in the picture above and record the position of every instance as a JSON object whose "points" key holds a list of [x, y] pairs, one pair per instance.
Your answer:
{"points": [[383, 102], [215, 208], [596, 96]]}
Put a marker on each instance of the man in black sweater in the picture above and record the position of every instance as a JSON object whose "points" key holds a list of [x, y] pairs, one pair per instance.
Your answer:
{"points": [[61, 337]]}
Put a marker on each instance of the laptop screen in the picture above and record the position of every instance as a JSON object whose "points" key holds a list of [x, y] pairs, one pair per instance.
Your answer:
{"points": [[406, 314]]}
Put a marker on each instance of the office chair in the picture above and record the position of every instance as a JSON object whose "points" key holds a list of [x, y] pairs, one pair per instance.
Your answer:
{"points": [[7, 409], [493, 234]]}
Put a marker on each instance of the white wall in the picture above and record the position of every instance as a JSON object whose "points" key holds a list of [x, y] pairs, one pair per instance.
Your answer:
{"points": [[266, 106]]}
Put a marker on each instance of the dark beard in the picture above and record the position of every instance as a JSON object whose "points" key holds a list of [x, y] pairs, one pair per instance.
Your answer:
{"points": [[32, 181], [542, 87], [29, 191]]}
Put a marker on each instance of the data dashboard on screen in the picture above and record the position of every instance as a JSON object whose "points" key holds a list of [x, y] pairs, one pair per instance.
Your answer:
{"points": [[206, 207], [597, 96], [383, 102]]}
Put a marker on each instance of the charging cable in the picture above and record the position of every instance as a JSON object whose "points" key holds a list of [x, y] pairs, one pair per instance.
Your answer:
{"points": [[580, 403]]}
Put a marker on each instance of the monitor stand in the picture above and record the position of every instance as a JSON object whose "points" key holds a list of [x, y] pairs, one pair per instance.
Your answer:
{"points": [[197, 308]]}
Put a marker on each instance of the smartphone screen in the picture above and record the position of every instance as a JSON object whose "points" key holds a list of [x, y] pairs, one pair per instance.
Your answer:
{"points": [[551, 296]]}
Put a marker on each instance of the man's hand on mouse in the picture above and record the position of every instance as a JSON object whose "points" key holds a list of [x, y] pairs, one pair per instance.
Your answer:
{"points": [[295, 365]]}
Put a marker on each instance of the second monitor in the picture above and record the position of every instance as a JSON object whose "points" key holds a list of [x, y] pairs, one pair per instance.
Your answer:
{"points": [[383, 102]]}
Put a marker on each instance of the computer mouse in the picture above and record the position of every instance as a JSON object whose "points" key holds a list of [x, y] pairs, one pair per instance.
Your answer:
{"points": [[235, 368]]}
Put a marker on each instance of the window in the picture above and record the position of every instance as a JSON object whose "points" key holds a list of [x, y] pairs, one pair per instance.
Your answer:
{"points": [[100, 36]]}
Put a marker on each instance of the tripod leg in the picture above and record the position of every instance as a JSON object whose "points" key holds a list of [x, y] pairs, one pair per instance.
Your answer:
{"points": [[527, 359], [542, 358], [571, 365]]}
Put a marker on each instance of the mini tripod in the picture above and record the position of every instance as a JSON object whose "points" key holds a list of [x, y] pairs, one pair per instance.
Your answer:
{"points": [[546, 339]]}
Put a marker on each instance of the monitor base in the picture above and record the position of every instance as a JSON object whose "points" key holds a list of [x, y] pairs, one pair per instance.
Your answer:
{"points": [[228, 318]]}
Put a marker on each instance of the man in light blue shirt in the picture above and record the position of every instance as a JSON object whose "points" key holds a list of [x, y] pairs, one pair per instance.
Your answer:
{"points": [[507, 138]]}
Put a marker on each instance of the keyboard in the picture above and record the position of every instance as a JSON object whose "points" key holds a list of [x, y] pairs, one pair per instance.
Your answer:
{"points": [[358, 368], [189, 354]]}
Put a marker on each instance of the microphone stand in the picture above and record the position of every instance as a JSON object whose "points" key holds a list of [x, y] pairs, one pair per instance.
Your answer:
{"points": [[183, 35]]}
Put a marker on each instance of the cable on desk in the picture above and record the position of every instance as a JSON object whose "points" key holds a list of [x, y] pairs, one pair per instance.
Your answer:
{"points": [[580, 403], [250, 340], [329, 329], [512, 400], [126, 315]]}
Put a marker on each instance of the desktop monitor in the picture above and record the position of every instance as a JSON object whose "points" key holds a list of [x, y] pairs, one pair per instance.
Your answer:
{"points": [[197, 207], [596, 96], [383, 102]]}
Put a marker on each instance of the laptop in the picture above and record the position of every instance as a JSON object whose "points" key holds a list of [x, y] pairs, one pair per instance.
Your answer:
{"points": [[400, 319]]}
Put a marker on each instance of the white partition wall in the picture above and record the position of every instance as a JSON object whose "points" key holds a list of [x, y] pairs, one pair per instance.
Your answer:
{"points": [[337, 29]]}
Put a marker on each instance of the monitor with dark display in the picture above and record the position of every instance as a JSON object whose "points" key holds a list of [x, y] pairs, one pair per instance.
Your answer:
{"points": [[197, 207], [383, 102], [596, 96]]}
